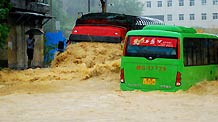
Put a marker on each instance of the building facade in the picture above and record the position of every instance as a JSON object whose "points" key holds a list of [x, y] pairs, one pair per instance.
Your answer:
{"points": [[193, 13], [25, 15]]}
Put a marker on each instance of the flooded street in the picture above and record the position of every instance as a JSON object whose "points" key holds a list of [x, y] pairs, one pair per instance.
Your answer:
{"points": [[96, 100], [84, 87], [69, 60]]}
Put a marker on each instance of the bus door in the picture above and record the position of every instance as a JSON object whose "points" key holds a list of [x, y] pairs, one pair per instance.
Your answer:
{"points": [[151, 63]]}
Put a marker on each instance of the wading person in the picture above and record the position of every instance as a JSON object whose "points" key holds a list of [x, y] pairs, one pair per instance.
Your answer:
{"points": [[30, 49]]}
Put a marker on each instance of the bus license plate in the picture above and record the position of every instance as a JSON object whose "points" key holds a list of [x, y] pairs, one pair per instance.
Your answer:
{"points": [[149, 81]]}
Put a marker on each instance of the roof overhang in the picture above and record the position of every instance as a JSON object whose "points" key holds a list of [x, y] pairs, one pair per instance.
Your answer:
{"points": [[28, 15]]}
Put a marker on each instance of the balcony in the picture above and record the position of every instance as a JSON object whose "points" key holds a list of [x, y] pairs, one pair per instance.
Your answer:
{"points": [[19, 4], [38, 7], [25, 5]]}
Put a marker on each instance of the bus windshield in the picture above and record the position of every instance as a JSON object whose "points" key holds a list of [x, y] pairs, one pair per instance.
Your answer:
{"points": [[152, 47]]}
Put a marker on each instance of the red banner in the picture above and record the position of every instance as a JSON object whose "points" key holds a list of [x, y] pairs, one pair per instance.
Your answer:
{"points": [[153, 41]]}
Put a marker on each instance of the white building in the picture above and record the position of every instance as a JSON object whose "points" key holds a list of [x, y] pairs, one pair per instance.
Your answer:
{"points": [[194, 13]]}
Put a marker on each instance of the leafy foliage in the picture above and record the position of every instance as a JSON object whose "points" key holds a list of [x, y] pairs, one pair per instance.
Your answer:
{"points": [[130, 7], [59, 13], [4, 28]]}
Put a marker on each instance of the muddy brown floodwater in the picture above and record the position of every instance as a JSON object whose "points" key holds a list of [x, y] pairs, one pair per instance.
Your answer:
{"points": [[82, 85]]}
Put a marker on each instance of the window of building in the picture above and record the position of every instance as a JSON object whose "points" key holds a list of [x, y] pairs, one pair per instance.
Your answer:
{"points": [[203, 2], [192, 16], [148, 3], [169, 3], [181, 2], [169, 17], [215, 2], [215, 15], [159, 3], [203, 16], [192, 2], [181, 16]]}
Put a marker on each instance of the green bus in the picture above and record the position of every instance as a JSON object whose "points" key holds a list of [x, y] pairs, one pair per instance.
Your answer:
{"points": [[167, 58]]}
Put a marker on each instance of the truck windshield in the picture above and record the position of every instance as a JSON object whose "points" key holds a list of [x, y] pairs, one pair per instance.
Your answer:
{"points": [[152, 47]]}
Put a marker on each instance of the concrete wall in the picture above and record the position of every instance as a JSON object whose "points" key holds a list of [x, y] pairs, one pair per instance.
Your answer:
{"points": [[38, 59], [12, 48], [4, 57]]}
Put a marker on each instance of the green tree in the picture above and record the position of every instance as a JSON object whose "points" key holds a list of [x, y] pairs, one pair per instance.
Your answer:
{"points": [[59, 14], [66, 11], [4, 28], [130, 7]]}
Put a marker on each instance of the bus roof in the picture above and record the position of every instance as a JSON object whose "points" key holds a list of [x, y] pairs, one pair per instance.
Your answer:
{"points": [[171, 31], [173, 28]]}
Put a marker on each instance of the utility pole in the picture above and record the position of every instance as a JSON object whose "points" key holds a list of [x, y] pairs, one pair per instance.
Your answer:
{"points": [[104, 6], [88, 6]]}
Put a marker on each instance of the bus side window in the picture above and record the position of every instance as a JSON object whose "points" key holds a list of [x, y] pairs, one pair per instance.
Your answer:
{"points": [[189, 56], [204, 47], [187, 52], [216, 51], [195, 51], [213, 51]]}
